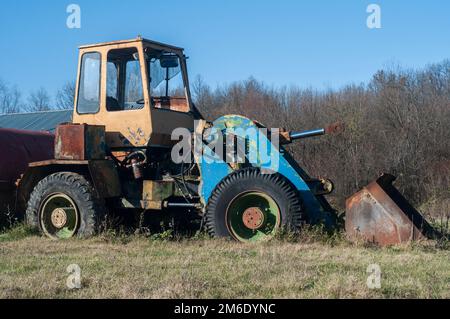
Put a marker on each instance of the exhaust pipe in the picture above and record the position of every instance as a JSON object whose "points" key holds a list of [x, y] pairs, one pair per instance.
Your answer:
{"points": [[289, 137]]}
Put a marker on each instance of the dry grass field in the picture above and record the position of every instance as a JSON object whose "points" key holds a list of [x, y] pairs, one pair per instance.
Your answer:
{"points": [[136, 267]]}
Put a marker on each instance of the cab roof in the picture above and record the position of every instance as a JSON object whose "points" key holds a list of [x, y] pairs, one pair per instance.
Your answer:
{"points": [[138, 39]]}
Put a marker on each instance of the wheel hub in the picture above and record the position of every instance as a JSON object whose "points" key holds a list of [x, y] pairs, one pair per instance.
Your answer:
{"points": [[253, 218], [59, 217]]}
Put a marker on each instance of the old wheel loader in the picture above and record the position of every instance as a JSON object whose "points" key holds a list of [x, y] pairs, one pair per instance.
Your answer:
{"points": [[120, 151]]}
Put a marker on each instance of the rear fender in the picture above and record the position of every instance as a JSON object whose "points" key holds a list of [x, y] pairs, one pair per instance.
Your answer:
{"points": [[102, 173]]}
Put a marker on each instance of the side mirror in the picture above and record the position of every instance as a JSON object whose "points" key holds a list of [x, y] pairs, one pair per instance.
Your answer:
{"points": [[168, 61]]}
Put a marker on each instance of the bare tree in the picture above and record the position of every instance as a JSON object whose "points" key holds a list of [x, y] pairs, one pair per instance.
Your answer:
{"points": [[202, 95], [10, 98], [38, 101], [65, 96]]}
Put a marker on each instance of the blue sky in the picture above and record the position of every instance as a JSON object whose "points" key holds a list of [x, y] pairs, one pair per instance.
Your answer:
{"points": [[320, 43]]}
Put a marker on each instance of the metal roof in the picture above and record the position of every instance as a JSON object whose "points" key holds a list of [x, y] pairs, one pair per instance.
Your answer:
{"points": [[35, 121], [138, 39]]}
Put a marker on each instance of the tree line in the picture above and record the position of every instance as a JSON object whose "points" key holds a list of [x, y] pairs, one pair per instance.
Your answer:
{"points": [[13, 101]]}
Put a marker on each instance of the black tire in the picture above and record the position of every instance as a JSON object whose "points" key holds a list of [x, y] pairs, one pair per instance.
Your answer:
{"points": [[91, 210], [250, 179]]}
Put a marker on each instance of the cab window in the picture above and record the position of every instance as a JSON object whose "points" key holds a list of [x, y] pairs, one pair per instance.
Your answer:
{"points": [[124, 80], [89, 86]]}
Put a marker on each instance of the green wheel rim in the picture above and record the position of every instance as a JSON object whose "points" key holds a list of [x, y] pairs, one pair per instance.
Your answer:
{"points": [[59, 216], [253, 216]]}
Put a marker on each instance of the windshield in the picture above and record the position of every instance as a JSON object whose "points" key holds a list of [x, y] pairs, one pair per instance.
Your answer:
{"points": [[158, 73], [165, 74]]}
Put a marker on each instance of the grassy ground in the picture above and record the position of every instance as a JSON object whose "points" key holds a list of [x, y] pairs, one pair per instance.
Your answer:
{"points": [[137, 267]]}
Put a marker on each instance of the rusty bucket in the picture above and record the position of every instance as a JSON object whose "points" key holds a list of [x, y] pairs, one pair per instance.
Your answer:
{"points": [[380, 214]]}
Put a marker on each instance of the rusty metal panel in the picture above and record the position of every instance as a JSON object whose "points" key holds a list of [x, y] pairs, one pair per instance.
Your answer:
{"points": [[105, 178], [57, 162], [80, 142], [69, 142], [95, 142], [380, 214], [155, 192]]}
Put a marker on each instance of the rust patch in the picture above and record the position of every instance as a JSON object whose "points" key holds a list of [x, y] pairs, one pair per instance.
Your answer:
{"points": [[335, 128], [380, 214], [80, 142], [253, 218]]}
